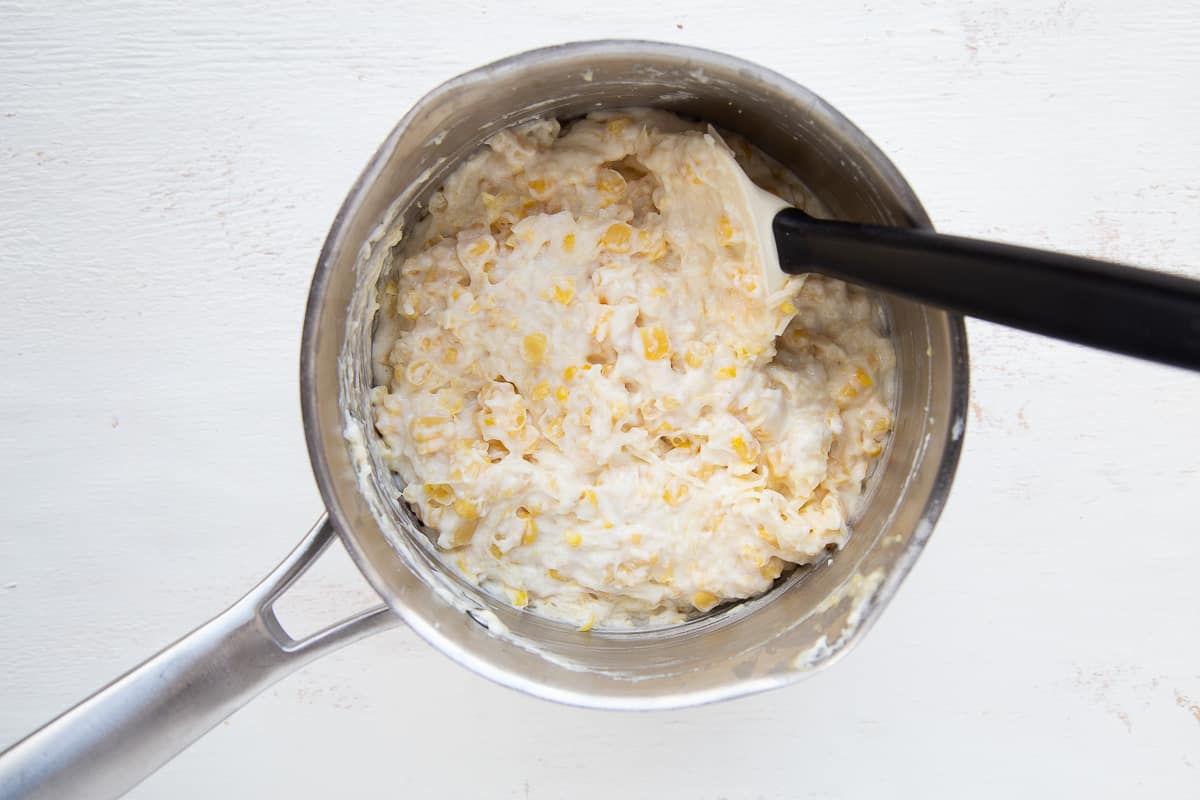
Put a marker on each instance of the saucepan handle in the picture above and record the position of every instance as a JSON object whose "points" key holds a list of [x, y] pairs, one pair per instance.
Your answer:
{"points": [[111, 741]]}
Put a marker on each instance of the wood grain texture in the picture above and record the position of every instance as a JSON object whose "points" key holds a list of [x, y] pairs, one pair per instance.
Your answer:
{"points": [[168, 174]]}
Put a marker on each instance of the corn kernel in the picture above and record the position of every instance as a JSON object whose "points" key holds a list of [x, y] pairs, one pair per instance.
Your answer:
{"points": [[606, 370], [617, 238], [569, 373], [568, 243], [473, 308], [726, 373], [495, 551], [617, 125], [848, 392], [587, 626], [725, 228], [767, 536], [694, 358], [862, 377], [704, 601], [520, 598], [439, 493], [465, 509], [451, 356], [881, 425], [590, 496], [537, 185], [561, 394], [419, 372], [556, 575], [658, 291], [655, 343], [786, 308], [533, 349], [772, 569], [572, 538], [741, 448], [479, 248], [542, 390], [531, 532], [676, 497], [564, 294]]}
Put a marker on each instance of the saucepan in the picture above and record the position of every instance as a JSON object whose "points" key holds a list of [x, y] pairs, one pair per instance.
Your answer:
{"points": [[109, 742]]}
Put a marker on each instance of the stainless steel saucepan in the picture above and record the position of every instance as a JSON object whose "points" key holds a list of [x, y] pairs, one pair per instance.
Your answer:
{"points": [[111, 741]]}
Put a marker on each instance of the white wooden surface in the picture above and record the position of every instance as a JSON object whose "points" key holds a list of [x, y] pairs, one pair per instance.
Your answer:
{"points": [[167, 175]]}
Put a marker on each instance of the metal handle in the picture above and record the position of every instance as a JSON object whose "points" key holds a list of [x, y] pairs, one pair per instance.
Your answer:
{"points": [[110, 742]]}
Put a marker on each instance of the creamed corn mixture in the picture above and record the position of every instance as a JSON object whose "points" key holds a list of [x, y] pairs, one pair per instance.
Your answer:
{"points": [[589, 394]]}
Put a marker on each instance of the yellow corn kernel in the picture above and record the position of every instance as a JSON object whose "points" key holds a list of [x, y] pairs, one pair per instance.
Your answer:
{"points": [[607, 525], [680, 441], [694, 358], [880, 425], [658, 291], [556, 575], [465, 509], [617, 238], [772, 569], [704, 601], [569, 373], [848, 392], [741, 448], [673, 499], [533, 349], [862, 377], [636, 538], [419, 372], [466, 572], [537, 185], [587, 626], [439, 493], [554, 428], [520, 598], [473, 308], [617, 125], [451, 356], [569, 242], [479, 248], [561, 394], [531, 532], [606, 370], [726, 373], [725, 229], [786, 308], [767, 536], [655, 343], [489, 420], [564, 294], [572, 538], [542, 390], [450, 402], [590, 496], [495, 551]]}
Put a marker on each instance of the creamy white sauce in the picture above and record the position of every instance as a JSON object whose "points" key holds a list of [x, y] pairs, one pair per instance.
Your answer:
{"points": [[592, 397]]}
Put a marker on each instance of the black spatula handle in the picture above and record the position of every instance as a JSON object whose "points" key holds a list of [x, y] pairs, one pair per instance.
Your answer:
{"points": [[1140, 313]]}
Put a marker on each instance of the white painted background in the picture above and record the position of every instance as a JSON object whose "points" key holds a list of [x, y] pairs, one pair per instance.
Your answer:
{"points": [[167, 175]]}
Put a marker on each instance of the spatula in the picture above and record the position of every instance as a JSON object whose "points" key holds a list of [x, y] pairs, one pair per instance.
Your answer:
{"points": [[1137, 312]]}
